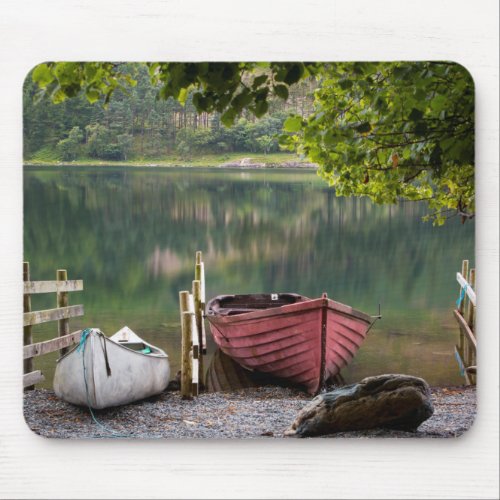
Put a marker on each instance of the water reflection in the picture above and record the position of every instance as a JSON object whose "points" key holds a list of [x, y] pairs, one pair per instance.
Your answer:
{"points": [[131, 235]]}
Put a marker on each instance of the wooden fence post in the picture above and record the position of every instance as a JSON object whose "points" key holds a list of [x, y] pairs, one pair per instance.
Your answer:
{"points": [[185, 345], [62, 301], [186, 374], [198, 314], [199, 275], [27, 335], [471, 309], [471, 317]]}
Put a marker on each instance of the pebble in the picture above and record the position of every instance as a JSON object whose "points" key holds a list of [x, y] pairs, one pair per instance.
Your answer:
{"points": [[263, 412]]}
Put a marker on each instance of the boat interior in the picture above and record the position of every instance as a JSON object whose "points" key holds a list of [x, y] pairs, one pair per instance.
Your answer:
{"points": [[229, 305], [138, 346]]}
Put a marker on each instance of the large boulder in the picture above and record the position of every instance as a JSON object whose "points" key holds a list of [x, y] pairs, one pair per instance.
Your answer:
{"points": [[392, 401]]}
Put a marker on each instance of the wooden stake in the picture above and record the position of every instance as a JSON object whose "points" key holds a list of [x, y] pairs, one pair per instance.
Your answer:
{"points": [[198, 256], [185, 346], [471, 309], [198, 314], [199, 275], [186, 372], [27, 334], [62, 301]]}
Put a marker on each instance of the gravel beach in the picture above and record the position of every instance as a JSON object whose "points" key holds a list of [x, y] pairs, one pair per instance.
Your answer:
{"points": [[263, 412]]}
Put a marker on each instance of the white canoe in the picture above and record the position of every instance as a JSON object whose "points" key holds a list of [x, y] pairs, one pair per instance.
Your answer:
{"points": [[134, 370]]}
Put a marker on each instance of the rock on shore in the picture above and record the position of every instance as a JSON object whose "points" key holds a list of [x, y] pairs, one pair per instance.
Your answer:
{"points": [[390, 401]]}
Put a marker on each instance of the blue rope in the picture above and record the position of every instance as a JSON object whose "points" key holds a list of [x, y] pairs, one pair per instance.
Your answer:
{"points": [[462, 296], [81, 347], [461, 367]]}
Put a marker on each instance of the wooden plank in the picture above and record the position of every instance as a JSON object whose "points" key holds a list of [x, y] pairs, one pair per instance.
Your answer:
{"points": [[195, 382], [37, 317], [40, 348], [470, 292], [62, 301], [32, 378], [32, 287], [464, 327]]}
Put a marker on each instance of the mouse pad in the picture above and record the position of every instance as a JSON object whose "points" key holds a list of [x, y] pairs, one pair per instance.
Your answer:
{"points": [[267, 250]]}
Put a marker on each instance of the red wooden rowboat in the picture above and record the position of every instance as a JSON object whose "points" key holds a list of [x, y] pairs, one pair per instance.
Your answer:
{"points": [[306, 341]]}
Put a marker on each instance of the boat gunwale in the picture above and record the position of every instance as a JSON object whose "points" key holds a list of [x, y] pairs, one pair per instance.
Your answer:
{"points": [[287, 309], [160, 355]]}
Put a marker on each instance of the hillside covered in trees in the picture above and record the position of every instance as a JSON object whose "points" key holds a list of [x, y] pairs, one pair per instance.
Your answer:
{"points": [[138, 125]]}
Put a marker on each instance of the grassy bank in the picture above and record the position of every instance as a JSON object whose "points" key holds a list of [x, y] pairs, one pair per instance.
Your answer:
{"points": [[202, 160]]}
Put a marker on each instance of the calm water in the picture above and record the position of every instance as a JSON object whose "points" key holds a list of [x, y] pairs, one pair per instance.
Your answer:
{"points": [[131, 235]]}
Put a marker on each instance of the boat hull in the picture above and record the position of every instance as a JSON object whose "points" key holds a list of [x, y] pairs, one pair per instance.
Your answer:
{"points": [[307, 342], [81, 376]]}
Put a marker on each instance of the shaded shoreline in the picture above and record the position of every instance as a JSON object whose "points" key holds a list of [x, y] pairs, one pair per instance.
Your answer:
{"points": [[261, 412]]}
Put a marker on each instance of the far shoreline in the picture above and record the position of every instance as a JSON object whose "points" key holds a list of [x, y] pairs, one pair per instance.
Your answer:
{"points": [[272, 161]]}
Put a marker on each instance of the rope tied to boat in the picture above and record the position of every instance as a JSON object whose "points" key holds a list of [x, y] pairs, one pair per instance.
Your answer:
{"points": [[462, 295], [83, 340], [81, 348]]}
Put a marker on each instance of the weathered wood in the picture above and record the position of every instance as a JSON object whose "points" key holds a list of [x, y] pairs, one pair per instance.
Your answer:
{"points": [[37, 317], [195, 345], [32, 378], [471, 309], [198, 314], [183, 301], [27, 334], [195, 382], [198, 256], [40, 348], [203, 343], [62, 301], [186, 366], [32, 287], [199, 274], [465, 329]]}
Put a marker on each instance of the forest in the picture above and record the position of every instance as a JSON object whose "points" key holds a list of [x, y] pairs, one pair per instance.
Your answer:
{"points": [[137, 125]]}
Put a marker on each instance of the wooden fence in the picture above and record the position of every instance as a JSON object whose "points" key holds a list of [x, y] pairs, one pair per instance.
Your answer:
{"points": [[61, 286], [194, 346], [465, 314]]}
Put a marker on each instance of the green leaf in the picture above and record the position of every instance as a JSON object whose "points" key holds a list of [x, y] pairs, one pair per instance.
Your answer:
{"points": [[415, 115], [42, 75], [228, 117], [183, 94], [294, 74], [261, 108], [92, 95], [258, 81], [281, 91], [292, 124], [363, 128], [345, 84]]}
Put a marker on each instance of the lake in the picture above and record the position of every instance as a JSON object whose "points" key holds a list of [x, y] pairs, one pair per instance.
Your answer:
{"points": [[131, 234]]}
